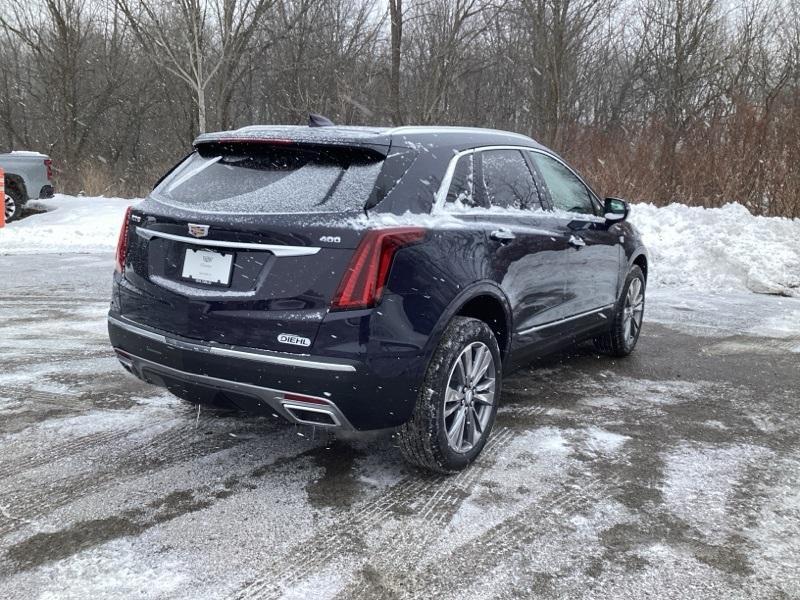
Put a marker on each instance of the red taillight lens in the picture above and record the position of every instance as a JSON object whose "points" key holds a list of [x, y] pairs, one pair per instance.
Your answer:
{"points": [[49, 166], [302, 398], [363, 282], [122, 242]]}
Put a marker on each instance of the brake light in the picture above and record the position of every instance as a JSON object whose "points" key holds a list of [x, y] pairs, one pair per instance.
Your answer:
{"points": [[253, 140], [363, 282], [48, 164], [122, 242]]}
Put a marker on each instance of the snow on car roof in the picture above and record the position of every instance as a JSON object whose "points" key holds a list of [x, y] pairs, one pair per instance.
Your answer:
{"points": [[344, 134], [28, 153]]}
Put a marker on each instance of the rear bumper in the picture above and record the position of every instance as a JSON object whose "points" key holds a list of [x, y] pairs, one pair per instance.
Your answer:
{"points": [[340, 394]]}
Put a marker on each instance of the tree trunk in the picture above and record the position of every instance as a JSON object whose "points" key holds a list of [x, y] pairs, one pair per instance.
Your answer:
{"points": [[396, 17], [201, 109]]}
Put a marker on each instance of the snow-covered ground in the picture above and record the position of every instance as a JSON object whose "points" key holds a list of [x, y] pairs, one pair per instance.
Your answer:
{"points": [[70, 224], [711, 250]]}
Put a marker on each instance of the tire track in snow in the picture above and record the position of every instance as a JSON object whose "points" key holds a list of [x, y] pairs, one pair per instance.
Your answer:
{"points": [[408, 544], [33, 458], [432, 498], [469, 562], [178, 443]]}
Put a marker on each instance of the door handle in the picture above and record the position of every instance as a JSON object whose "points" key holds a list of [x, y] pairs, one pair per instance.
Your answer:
{"points": [[502, 235], [576, 242]]}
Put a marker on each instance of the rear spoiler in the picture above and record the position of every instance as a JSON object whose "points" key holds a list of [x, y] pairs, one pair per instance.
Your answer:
{"points": [[316, 138]]}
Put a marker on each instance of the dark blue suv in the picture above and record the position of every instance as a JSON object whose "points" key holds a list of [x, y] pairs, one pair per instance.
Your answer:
{"points": [[360, 278]]}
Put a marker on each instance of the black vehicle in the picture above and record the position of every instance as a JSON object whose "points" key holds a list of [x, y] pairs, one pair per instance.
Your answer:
{"points": [[364, 278]]}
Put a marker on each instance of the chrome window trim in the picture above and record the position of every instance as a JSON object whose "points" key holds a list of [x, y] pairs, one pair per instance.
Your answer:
{"points": [[441, 194], [440, 198], [290, 361], [564, 320], [276, 249]]}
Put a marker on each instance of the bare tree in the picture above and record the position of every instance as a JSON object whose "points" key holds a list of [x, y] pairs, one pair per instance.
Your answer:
{"points": [[195, 40], [693, 100]]}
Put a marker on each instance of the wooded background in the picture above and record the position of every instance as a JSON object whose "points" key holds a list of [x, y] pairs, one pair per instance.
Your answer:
{"points": [[695, 101]]}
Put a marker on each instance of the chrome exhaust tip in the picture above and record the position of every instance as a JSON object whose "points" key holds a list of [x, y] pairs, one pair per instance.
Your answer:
{"points": [[312, 415]]}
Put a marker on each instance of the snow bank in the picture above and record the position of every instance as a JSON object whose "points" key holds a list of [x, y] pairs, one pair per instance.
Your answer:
{"points": [[719, 249], [715, 249], [72, 224]]}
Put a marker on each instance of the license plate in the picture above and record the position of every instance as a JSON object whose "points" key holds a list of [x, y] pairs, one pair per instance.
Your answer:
{"points": [[206, 266]]}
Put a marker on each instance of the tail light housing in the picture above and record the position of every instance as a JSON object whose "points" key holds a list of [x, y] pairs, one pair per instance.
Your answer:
{"points": [[364, 281], [122, 242], [48, 164]]}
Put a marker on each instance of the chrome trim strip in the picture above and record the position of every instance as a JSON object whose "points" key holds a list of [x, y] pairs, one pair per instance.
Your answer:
{"points": [[306, 363], [276, 249], [283, 360], [138, 330], [564, 320], [271, 396]]}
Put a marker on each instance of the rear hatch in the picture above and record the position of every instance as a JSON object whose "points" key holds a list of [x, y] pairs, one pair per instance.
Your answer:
{"points": [[245, 244]]}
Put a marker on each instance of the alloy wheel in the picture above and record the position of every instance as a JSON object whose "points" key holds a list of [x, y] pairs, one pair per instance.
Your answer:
{"points": [[10, 206], [469, 397], [633, 311]]}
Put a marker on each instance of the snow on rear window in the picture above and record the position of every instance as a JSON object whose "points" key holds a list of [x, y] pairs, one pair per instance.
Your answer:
{"points": [[235, 179]]}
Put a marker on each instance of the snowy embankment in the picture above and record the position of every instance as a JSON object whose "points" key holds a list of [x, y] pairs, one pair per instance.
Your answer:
{"points": [[717, 249], [720, 249], [71, 224]]}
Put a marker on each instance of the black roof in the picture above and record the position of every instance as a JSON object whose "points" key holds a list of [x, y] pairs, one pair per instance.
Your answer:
{"points": [[415, 158], [411, 137]]}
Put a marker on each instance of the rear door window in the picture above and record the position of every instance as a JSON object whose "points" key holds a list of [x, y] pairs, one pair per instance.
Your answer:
{"points": [[567, 192], [247, 178], [462, 187], [507, 180]]}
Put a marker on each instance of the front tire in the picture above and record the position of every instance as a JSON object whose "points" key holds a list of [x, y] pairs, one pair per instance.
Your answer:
{"points": [[13, 204], [457, 402], [628, 315]]}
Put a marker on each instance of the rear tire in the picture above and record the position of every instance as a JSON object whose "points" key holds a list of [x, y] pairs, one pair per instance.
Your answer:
{"points": [[628, 316], [458, 399], [14, 204]]}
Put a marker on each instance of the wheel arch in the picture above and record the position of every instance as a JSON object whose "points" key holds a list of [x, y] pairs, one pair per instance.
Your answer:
{"points": [[18, 183], [640, 260], [484, 301]]}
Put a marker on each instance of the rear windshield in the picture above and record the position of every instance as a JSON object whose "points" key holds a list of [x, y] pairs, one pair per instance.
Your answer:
{"points": [[243, 178]]}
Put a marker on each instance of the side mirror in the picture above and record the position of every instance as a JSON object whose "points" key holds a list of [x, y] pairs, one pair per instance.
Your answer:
{"points": [[615, 210]]}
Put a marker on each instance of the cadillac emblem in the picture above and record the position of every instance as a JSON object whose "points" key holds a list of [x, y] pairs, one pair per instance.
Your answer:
{"points": [[198, 231]]}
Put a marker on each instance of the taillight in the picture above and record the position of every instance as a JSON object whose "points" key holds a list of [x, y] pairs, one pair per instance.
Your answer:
{"points": [[122, 242], [366, 275], [48, 164]]}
